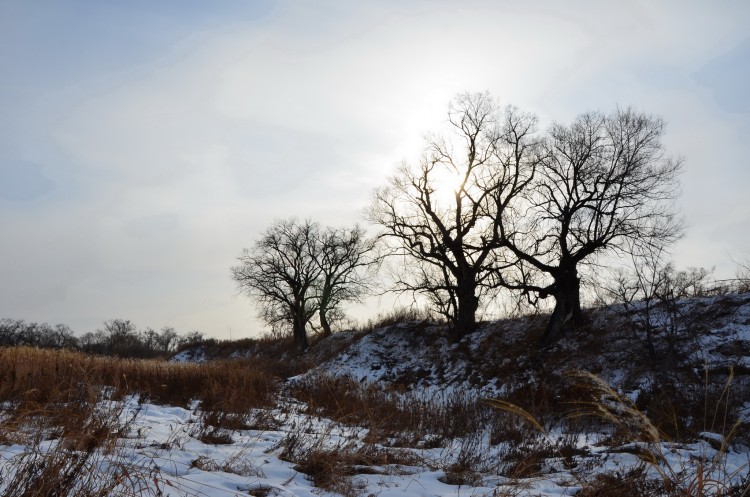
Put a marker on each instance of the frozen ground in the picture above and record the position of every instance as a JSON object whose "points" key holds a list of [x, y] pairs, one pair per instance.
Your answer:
{"points": [[163, 453], [161, 450]]}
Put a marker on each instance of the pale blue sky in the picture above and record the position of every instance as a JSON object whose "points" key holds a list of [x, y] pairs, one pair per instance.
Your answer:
{"points": [[143, 144]]}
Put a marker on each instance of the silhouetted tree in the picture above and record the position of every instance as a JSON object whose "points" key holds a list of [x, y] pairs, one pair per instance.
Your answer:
{"points": [[120, 337], [345, 256], [167, 339], [18, 332], [447, 215], [603, 186], [194, 337], [59, 336], [11, 332], [280, 272], [296, 269]]}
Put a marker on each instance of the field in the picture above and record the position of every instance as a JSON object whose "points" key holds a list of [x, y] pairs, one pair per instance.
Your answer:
{"points": [[623, 408]]}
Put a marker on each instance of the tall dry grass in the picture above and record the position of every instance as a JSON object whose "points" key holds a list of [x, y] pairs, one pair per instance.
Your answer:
{"points": [[399, 418], [680, 471], [30, 377], [63, 408]]}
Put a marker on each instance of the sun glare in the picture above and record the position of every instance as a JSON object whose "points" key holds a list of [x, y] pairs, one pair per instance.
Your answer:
{"points": [[445, 183]]}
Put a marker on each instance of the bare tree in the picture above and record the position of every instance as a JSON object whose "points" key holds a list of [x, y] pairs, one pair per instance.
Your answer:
{"points": [[119, 337], [603, 186], [280, 272], [650, 292], [297, 269], [15, 332], [167, 339], [345, 256], [193, 337], [444, 214]]}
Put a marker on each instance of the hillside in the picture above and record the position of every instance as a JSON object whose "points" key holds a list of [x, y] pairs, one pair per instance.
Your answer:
{"points": [[645, 400], [690, 338]]}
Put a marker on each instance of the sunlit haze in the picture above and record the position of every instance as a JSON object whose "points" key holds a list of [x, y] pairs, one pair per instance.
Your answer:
{"points": [[144, 144]]}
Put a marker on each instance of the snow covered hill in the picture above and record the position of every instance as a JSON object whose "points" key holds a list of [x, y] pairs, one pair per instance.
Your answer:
{"points": [[643, 400], [628, 347]]}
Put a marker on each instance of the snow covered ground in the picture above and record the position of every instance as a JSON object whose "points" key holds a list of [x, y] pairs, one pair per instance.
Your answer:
{"points": [[294, 450], [163, 457]]}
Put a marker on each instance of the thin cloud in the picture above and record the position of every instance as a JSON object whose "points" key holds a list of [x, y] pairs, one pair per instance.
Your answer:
{"points": [[156, 156]]}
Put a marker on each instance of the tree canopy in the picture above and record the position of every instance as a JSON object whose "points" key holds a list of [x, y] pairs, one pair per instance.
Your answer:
{"points": [[524, 210], [297, 269]]}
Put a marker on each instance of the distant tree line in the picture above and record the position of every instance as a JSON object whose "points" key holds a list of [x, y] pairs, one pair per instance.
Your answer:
{"points": [[117, 337]]}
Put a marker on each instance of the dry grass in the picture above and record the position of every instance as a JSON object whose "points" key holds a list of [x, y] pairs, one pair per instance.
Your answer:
{"points": [[53, 403], [63, 407], [277, 356], [401, 315], [69, 433], [333, 467], [396, 418], [30, 377], [633, 483], [689, 476]]}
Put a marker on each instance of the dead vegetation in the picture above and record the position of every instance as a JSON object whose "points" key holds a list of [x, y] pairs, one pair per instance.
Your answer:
{"points": [[67, 409], [678, 420]]}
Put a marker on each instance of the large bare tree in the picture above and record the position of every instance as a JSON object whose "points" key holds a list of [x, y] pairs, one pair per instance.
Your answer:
{"points": [[444, 213], [604, 185]]}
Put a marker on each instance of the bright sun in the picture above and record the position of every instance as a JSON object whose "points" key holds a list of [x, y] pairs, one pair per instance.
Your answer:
{"points": [[446, 183]]}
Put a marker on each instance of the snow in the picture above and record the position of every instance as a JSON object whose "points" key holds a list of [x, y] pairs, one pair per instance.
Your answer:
{"points": [[163, 448], [160, 445], [193, 354]]}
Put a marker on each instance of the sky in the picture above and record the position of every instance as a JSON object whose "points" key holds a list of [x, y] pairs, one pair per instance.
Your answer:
{"points": [[144, 144]]}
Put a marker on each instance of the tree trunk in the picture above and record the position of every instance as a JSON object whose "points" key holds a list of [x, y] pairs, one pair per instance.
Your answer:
{"points": [[324, 303], [300, 335], [466, 314], [324, 322], [567, 305]]}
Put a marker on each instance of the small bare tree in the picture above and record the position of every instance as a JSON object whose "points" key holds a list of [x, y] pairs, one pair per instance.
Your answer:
{"points": [[296, 269], [280, 272], [603, 186], [443, 215], [650, 291], [120, 337], [345, 257], [167, 340]]}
